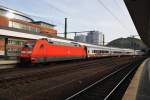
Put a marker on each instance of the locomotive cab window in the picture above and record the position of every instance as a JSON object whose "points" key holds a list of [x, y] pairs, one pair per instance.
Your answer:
{"points": [[42, 46], [29, 45], [50, 42]]}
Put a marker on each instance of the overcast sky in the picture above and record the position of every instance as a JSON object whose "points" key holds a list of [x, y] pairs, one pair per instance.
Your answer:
{"points": [[113, 19]]}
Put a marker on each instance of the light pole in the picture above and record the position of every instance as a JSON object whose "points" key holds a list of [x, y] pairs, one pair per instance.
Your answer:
{"points": [[65, 32], [103, 40], [133, 42]]}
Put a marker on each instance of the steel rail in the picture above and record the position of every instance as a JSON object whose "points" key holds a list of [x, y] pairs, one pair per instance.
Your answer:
{"points": [[123, 79], [97, 82]]}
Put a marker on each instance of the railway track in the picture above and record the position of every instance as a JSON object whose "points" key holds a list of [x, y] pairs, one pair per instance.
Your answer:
{"points": [[65, 75], [108, 87], [17, 74]]}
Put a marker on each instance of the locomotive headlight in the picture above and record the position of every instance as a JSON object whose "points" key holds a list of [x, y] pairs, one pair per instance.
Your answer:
{"points": [[23, 52], [29, 52]]}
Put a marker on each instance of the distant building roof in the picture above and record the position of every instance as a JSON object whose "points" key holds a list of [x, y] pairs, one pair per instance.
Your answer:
{"points": [[39, 22], [21, 16], [2, 8]]}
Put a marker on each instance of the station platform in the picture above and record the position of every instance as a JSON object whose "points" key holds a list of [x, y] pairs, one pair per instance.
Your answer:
{"points": [[139, 88], [5, 64], [8, 62]]}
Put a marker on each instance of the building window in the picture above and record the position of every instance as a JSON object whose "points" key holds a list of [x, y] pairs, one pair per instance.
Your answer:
{"points": [[23, 26], [17, 25], [10, 24]]}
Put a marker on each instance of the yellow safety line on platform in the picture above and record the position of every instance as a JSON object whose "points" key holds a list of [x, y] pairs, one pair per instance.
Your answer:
{"points": [[132, 89]]}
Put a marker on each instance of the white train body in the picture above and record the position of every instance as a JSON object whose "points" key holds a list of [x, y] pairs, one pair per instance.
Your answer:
{"points": [[100, 51]]}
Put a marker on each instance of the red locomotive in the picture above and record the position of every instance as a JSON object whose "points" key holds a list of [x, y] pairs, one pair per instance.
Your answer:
{"points": [[43, 50], [54, 49]]}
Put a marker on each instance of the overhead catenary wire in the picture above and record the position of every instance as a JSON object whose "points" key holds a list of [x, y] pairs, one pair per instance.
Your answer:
{"points": [[4, 2], [46, 18], [116, 2], [57, 9], [120, 8], [50, 5], [28, 14], [113, 15], [65, 13]]}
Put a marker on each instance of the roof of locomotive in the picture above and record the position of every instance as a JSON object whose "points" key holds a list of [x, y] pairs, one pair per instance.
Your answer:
{"points": [[80, 43], [89, 45]]}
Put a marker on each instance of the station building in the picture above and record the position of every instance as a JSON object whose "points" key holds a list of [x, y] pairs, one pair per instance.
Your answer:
{"points": [[16, 28]]}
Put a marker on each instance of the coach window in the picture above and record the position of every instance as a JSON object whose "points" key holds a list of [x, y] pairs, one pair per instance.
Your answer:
{"points": [[92, 51]]}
